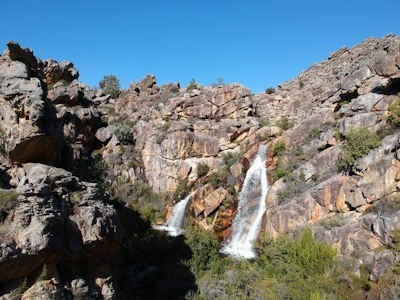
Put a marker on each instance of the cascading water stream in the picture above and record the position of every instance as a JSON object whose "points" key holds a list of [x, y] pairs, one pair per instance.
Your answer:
{"points": [[174, 225], [247, 222]]}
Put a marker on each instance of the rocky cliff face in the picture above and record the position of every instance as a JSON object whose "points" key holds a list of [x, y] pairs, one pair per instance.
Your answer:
{"points": [[153, 145], [56, 229]]}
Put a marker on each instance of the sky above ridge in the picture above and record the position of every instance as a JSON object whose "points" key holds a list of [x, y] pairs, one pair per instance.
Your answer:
{"points": [[256, 43]]}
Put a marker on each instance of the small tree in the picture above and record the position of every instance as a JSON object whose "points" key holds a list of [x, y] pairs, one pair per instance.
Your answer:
{"points": [[110, 85], [192, 85], [220, 81]]}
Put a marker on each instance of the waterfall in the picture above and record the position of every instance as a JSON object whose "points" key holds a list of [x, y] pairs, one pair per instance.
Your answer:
{"points": [[247, 222], [175, 223]]}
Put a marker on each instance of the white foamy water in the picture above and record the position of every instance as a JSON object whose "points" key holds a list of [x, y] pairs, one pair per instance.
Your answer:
{"points": [[174, 226], [247, 221]]}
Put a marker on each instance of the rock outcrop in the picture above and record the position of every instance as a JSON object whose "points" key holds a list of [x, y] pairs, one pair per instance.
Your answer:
{"points": [[153, 146], [51, 220]]}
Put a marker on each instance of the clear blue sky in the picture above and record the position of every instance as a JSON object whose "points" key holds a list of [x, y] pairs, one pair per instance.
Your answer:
{"points": [[255, 43]]}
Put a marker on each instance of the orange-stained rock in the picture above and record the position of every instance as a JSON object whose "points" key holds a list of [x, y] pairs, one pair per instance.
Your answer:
{"points": [[213, 200]]}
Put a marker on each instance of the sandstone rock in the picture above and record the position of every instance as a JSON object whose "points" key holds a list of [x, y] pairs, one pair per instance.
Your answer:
{"points": [[365, 103], [384, 65], [382, 262], [355, 79], [30, 123], [213, 200], [68, 95], [13, 69], [23, 55], [382, 228], [104, 134], [147, 86], [39, 229], [54, 72], [359, 120]]}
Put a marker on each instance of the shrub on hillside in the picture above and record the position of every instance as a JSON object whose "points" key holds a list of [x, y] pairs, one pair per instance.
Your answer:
{"points": [[205, 249], [270, 90], [279, 148], [192, 85], [218, 179], [285, 123], [123, 133], [358, 142], [394, 113], [231, 158], [110, 85], [202, 169]]}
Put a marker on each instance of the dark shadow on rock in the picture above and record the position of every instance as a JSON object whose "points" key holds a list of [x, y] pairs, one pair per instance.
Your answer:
{"points": [[151, 264], [392, 88]]}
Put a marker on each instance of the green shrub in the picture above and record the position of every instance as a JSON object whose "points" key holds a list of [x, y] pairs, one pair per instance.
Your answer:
{"points": [[270, 90], [110, 85], [279, 148], [335, 221], [123, 133], [144, 191], [8, 199], [314, 257], [92, 170], [231, 158], [281, 172], [181, 189], [263, 122], [205, 249], [202, 169], [285, 123], [149, 212], [192, 85], [358, 142], [395, 240], [394, 114], [219, 178]]}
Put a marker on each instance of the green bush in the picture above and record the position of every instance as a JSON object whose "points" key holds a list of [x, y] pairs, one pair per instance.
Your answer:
{"points": [[219, 178], [181, 189], [313, 257], [279, 148], [143, 190], [263, 122], [394, 113], [285, 123], [8, 199], [123, 133], [202, 169], [358, 142], [110, 85], [205, 249], [270, 90], [192, 85], [281, 172], [231, 158]]}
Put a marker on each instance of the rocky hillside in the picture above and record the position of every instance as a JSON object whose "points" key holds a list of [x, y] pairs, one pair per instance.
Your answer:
{"points": [[71, 156]]}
